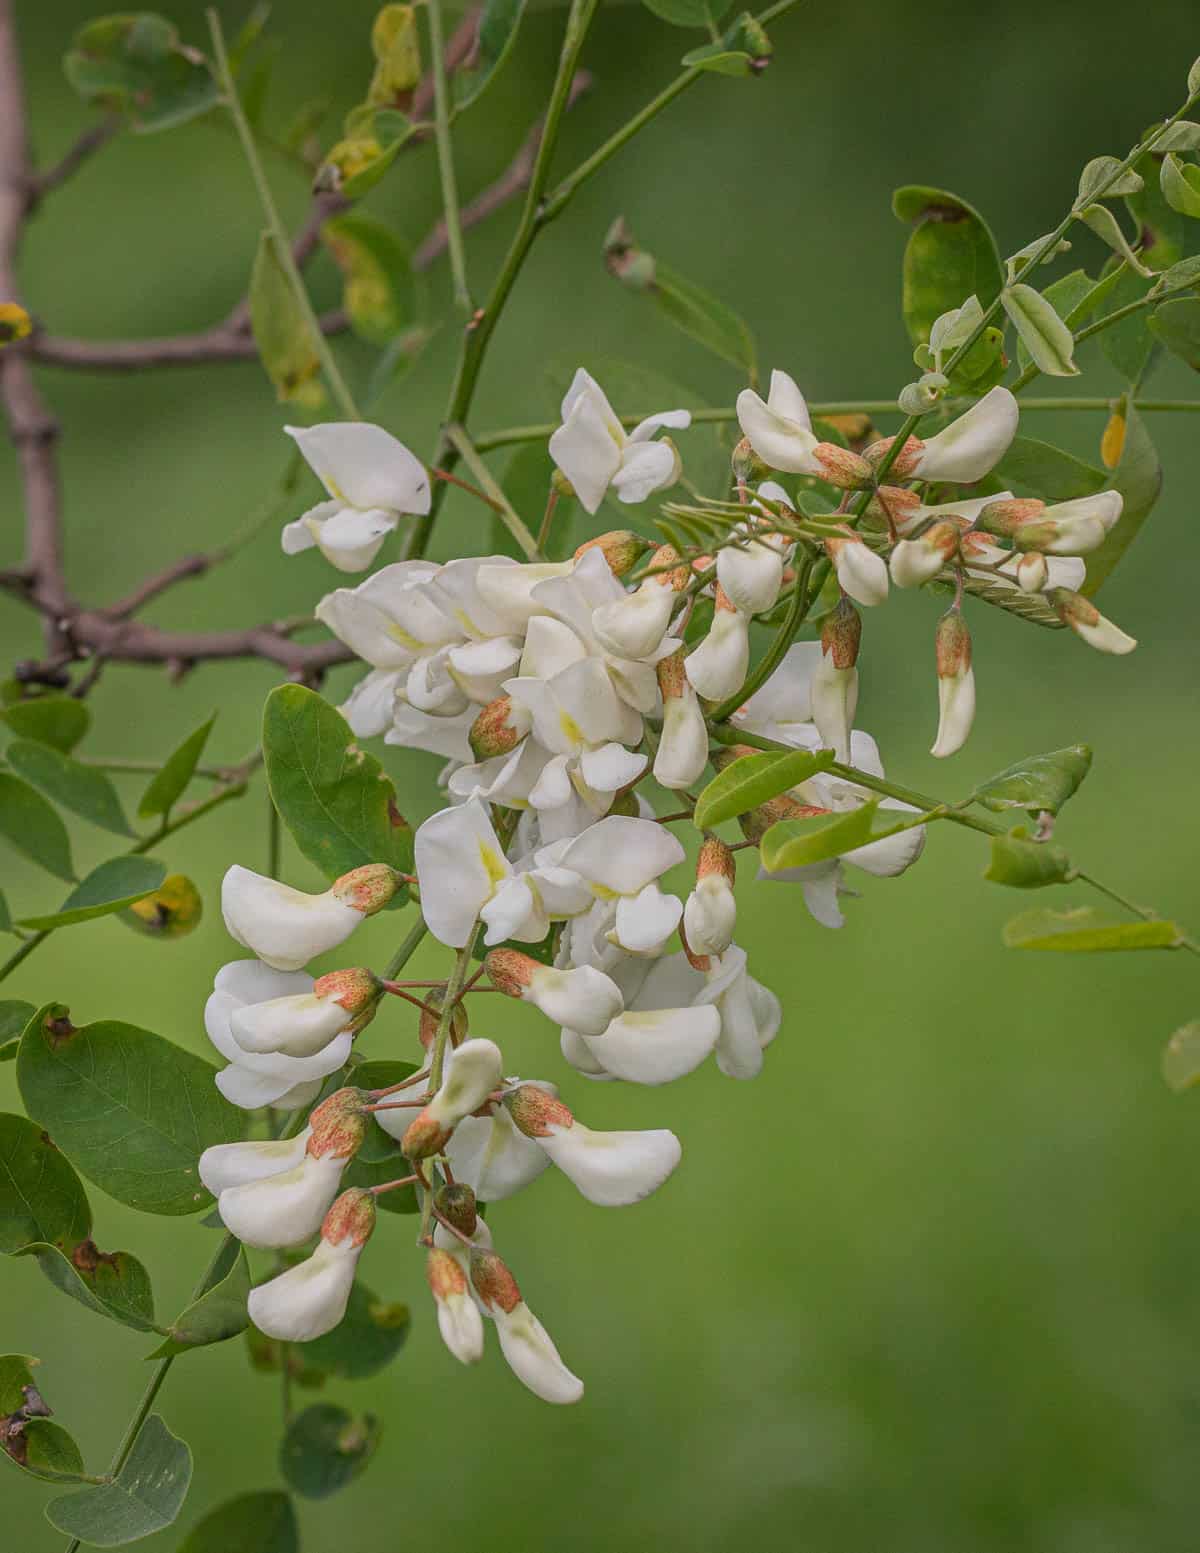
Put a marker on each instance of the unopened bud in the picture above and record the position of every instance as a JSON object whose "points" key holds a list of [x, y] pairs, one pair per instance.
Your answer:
{"points": [[499, 728], [493, 1282], [895, 503], [173, 911], [534, 1111], [861, 573], [747, 467], [757, 822], [839, 466], [339, 1124], [356, 990], [456, 1203], [1031, 572], [710, 912], [841, 635], [351, 1218], [368, 889], [621, 548], [510, 971], [473, 1072], [431, 1018], [905, 462], [668, 569], [1005, 517], [956, 684], [672, 680], [561, 485], [916, 561], [424, 1136], [715, 859], [1086, 621], [445, 1274]]}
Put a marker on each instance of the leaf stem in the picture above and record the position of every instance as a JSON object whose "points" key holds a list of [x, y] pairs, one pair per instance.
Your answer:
{"points": [[783, 639], [275, 226], [445, 153], [461, 443]]}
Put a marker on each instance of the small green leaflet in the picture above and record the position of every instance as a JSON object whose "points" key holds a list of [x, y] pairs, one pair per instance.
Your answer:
{"points": [[218, 1312], [752, 780], [818, 838], [264, 1522], [32, 825], [27, 1437], [57, 720], [168, 784], [67, 782], [145, 1496], [326, 1448], [110, 887], [137, 65], [1047, 339], [1024, 864], [1085, 930], [1038, 782]]}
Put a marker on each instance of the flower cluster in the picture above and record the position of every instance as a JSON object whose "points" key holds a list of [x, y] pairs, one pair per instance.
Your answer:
{"points": [[556, 691]]}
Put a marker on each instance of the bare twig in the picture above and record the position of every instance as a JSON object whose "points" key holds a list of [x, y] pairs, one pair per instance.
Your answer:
{"points": [[40, 184], [221, 343]]}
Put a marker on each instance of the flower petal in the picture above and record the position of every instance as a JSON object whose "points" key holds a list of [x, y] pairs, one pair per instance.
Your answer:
{"points": [[363, 465]]}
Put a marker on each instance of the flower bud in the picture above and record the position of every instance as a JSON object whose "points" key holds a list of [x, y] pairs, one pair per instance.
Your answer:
{"points": [[710, 912], [834, 687], [172, 911], [861, 573], [1086, 621], [747, 467], [583, 998], [1004, 517], [839, 466], [892, 507], [620, 547], [525, 1343], [611, 1169], [339, 1124], [956, 684], [682, 752], [309, 1300], [431, 1018], [1031, 572], [459, 1320], [755, 823], [368, 889], [473, 1071], [717, 667], [751, 573], [916, 561], [351, 1218], [456, 1202], [904, 464], [499, 728], [356, 990]]}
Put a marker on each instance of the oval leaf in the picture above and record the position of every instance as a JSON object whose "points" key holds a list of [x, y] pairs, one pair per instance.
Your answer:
{"points": [[131, 1111], [137, 65], [1037, 782], [282, 331], [817, 838], [1085, 930], [41, 1198], [1177, 325], [14, 1016], [33, 826], [498, 23], [252, 1523], [333, 797], [82, 789], [753, 779], [27, 1437], [1047, 471], [112, 886], [219, 1312], [1023, 864], [168, 784], [1180, 182], [1047, 339], [60, 721], [1181, 1058], [145, 1496], [325, 1448], [108, 1283], [951, 256]]}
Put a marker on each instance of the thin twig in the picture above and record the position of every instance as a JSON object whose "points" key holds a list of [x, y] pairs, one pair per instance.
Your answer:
{"points": [[40, 184]]}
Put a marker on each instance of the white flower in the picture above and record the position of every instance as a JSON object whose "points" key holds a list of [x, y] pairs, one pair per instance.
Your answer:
{"points": [[634, 625], [284, 927], [473, 1071], [780, 430], [276, 1078], [782, 708], [621, 859], [956, 685], [593, 450], [611, 1169], [524, 1341], [582, 997], [916, 561], [459, 1320], [683, 746], [710, 912], [752, 576], [1062, 571], [283, 1209], [717, 668], [372, 480], [862, 573], [310, 1299], [1088, 623], [968, 448], [488, 1154], [235, 1164]]}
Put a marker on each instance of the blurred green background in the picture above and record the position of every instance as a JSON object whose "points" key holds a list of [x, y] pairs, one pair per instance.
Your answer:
{"points": [[931, 1284]]}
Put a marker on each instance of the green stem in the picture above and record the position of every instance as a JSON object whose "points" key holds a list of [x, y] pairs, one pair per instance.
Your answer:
{"points": [[458, 439], [458, 980], [406, 950], [445, 154], [274, 839], [275, 226], [783, 639]]}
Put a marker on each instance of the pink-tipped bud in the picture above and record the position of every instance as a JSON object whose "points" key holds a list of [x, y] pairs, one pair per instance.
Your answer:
{"points": [[339, 1124], [672, 679], [757, 822], [445, 1274], [431, 1018], [1031, 572], [956, 684], [710, 912], [356, 990], [715, 858], [510, 971], [839, 466], [493, 1282], [456, 1203], [498, 729], [668, 570], [841, 635], [534, 1111], [1005, 517], [351, 1218], [368, 889], [1087, 622], [896, 503], [425, 1135], [905, 462], [746, 465], [621, 548], [919, 560]]}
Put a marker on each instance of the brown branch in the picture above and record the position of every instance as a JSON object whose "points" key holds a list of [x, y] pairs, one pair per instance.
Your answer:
{"points": [[40, 184], [221, 343]]}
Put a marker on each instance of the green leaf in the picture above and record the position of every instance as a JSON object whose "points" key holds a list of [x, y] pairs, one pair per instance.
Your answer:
{"points": [[1139, 478], [41, 1198], [720, 59], [219, 1312], [497, 33], [108, 1283], [1186, 272], [57, 720], [6, 921], [27, 1437], [378, 1145], [1181, 1057], [1047, 339], [753, 779], [325, 1448], [1108, 229], [111, 886], [167, 785], [129, 1109], [1100, 170], [1084, 930], [14, 1016], [82, 789], [136, 65], [380, 293], [1039, 782], [1177, 325], [1180, 183], [264, 1522], [1049, 472], [146, 1495], [818, 837], [1026, 865], [368, 1337], [688, 13], [333, 797], [950, 256], [32, 825], [1160, 229], [282, 331], [1128, 344]]}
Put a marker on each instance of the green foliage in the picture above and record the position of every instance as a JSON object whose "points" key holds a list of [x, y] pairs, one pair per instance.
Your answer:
{"points": [[282, 331], [1106, 170], [67, 782], [167, 785], [264, 1522], [333, 797], [816, 838], [108, 1283], [60, 721], [132, 1111], [1108, 229], [219, 1311], [753, 779], [1039, 782], [1177, 326], [32, 825], [369, 1336], [1049, 472], [1045, 336], [1180, 183], [145, 1496], [380, 290], [136, 65], [1025, 864], [14, 1016], [1139, 479], [1084, 930], [498, 24], [111, 886], [326, 1448], [950, 256], [27, 1437], [688, 13], [1127, 344]]}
